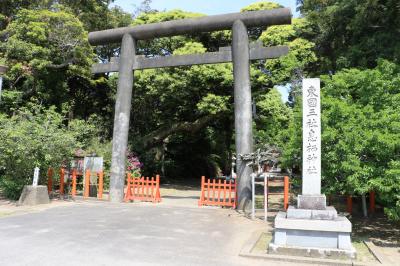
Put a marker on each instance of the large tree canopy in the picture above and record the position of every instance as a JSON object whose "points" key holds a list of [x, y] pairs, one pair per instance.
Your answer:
{"points": [[46, 50], [351, 33], [360, 133]]}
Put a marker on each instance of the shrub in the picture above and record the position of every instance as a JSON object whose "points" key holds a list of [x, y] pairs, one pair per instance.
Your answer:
{"points": [[36, 137]]}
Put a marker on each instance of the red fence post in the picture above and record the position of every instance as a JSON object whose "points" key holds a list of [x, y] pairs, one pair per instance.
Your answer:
{"points": [[87, 184], [62, 172], [224, 196], [230, 194], [286, 193], [142, 187], [349, 204], [158, 195], [203, 179], [147, 186], [372, 201], [73, 191], [152, 182], [128, 187], [50, 173], [213, 191], [235, 194], [101, 184], [131, 190]]}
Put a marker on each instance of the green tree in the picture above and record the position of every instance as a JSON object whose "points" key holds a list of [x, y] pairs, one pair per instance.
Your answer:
{"points": [[360, 133], [46, 51], [36, 137], [299, 62], [272, 120], [351, 33]]}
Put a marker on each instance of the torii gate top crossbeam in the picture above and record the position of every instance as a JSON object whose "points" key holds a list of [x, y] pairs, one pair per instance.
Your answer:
{"points": [[193, 25], [224, 56]]}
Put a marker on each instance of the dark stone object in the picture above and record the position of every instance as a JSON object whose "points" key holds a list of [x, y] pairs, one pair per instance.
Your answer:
{"points": [[93, 191]]}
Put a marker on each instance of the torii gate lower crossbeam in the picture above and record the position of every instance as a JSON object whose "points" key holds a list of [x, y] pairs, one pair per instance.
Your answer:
{"points": [[240, 54]]}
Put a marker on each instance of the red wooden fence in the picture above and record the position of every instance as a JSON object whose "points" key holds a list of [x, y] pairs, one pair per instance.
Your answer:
{"points": [[74, 176], [73, 190], [87, 184], [349, 204], [50, 173], [217, 193], [372, 201], [143, 189], [286, 193], [62, 174], [101, 184]]}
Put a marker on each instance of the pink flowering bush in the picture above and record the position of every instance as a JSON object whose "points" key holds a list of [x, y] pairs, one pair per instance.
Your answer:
{"points": [[134, 165]]}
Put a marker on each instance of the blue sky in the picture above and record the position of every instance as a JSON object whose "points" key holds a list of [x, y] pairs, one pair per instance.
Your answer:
{"points": [[209, 7]]}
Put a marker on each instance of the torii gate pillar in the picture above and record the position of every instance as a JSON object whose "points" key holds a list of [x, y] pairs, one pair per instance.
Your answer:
{"points": [[122, 117], [243, 111]]}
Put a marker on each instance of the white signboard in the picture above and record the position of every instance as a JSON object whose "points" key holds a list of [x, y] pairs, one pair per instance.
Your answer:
{"points": [[311, 137], [94, 164], [35, 177]]}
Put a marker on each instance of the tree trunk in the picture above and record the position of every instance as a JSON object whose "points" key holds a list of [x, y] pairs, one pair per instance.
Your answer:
{"points": [[364, 205]]}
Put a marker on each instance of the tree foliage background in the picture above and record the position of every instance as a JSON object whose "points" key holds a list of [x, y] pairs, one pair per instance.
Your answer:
{"points": [[182, 118]]}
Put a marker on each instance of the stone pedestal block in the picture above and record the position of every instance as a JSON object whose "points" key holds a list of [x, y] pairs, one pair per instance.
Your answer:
{"points": [[312, 236], [311, 202], [329, 213], [34, 195]]}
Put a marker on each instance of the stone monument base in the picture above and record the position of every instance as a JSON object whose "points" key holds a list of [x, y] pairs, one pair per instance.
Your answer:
{"points": [[34, 195], [315, 233], [315, 202]]}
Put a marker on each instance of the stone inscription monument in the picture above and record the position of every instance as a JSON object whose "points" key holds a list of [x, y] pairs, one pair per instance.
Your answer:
{"points": [[311, 137], [35, 194], [239, 54], [35, 181], [311, 228], [311, 197]]}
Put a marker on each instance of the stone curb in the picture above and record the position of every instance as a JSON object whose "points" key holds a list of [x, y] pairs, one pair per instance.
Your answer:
{"points": [[249, 245], [251, 242], [376, 253]]}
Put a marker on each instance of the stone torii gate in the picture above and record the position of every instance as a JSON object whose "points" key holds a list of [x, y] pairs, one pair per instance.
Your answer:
{"points": [[240, 54]]}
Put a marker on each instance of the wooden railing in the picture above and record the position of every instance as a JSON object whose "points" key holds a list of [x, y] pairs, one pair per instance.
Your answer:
{"points": [[218, 193], [143, 189]]}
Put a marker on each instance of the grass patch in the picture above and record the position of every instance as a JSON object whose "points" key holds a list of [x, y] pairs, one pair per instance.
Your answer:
{"points": [[5, 213], [261, 246], [363, 253]]}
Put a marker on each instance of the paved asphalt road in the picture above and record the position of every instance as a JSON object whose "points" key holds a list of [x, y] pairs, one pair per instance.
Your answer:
{"points": [[126, 234]]}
